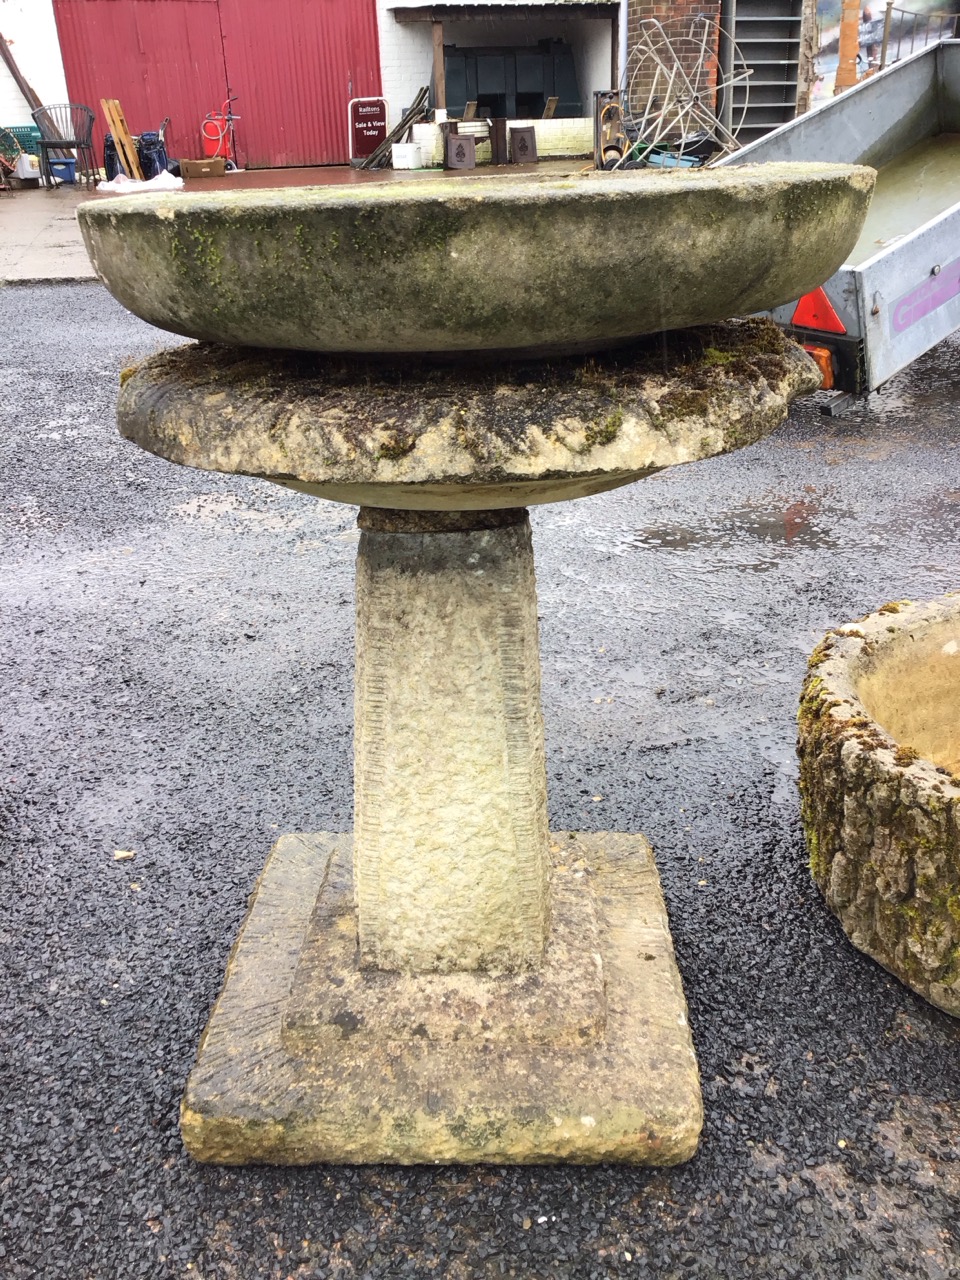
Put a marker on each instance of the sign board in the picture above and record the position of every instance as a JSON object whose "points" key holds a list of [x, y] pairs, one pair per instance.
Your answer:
{"points": [[368, 126]]}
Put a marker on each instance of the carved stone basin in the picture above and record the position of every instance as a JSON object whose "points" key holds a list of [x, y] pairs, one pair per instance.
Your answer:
{"points": [[880, 758], [521, 265]]}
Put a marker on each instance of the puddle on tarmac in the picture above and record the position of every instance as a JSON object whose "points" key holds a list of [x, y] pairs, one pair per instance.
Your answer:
{"points": [[209, 508], [781, 522]]}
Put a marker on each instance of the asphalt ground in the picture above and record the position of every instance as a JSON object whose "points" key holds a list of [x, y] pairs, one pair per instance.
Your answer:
{"points": [[175, 681]]}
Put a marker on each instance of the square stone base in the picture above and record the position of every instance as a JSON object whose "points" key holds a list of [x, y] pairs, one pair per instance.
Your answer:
{"points": [[307, 1058]]}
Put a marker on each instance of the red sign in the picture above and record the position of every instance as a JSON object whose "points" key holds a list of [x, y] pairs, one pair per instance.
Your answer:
{"points": [[368, 126]]}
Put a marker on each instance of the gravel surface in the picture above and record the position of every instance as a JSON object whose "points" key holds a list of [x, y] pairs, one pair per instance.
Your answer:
{"points": [[175, 681]]}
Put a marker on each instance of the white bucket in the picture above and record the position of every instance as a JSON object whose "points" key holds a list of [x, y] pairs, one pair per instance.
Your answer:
{"points": [[406, 155]]}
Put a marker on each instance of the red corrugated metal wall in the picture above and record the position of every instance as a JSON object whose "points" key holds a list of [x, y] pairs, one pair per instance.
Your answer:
{"points": [[159, 57], [293, 65]]}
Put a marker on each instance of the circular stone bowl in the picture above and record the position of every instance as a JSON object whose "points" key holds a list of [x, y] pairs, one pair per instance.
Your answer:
{"points": [[524, 264], [879, 748]]}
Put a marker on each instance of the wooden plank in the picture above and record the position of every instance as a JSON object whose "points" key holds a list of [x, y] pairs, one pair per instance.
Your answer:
{"points": [[126, 150], [439, 72], [550, 108], [33, 102], [106, 106]]}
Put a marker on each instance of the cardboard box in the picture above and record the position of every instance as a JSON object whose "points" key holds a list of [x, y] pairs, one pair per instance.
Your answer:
{"points": [[214, 167]]}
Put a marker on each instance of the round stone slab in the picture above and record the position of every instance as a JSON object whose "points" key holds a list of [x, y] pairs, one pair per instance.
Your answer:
{"points": [[523, 264], [450, 437], [879, 763]]}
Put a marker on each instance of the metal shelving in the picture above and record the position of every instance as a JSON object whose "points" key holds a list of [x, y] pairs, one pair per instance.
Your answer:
{"points": [[768, 34]]}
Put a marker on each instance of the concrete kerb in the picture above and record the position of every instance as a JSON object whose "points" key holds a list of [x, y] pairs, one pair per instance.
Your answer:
{"points": [[40, 241]]}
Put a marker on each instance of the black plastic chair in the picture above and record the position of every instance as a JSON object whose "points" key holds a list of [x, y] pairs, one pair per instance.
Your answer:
{"points": [[66, 127]]}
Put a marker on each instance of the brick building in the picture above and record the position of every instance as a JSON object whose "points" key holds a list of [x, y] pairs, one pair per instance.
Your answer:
{"points": [[775, 44]]}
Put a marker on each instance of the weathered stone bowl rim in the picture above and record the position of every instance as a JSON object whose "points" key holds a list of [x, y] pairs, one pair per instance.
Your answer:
{"points": [[525, 188], [831, 682]]}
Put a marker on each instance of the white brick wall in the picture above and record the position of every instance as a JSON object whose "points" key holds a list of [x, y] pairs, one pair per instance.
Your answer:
{"points": [[13, 108], [406, 49], [556, 139], [29, 28]]}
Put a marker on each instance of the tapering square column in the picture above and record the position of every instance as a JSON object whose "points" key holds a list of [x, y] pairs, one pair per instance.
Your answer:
{"points": [[451, 858]]}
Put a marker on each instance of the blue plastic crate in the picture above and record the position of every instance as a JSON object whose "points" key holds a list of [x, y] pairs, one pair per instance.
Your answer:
{"points": [[65, 170]]}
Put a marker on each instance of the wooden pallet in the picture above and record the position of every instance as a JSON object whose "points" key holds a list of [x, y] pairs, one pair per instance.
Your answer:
{"points": [[126, 150]]}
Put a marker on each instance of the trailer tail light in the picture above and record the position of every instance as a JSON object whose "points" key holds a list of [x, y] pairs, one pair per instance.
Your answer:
{"points": [[823, 358], [815, 311]]}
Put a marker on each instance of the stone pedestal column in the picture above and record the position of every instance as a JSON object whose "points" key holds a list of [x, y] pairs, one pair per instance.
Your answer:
{"points": [[451, 840], [516, 998]]}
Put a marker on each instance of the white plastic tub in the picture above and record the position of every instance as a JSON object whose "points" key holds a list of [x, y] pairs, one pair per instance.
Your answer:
{"points": [[406, 155]]}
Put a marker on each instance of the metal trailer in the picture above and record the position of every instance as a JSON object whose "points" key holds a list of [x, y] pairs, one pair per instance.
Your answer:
{"points": [[899, 293]]}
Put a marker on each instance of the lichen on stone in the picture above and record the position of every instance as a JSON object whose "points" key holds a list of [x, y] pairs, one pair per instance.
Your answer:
{"points": [[319, 420], [882, 824]]}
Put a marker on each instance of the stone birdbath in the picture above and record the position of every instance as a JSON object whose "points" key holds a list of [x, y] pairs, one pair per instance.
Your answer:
{"points": [[454, 982]]}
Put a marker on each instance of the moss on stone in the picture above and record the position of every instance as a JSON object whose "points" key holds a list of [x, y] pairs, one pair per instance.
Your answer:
{"points": [[604, 432], [482, 421], [417, 267], [881, 834], [821, 653], [397, 446]]}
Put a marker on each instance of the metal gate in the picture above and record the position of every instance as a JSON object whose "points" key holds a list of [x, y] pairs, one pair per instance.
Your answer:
{"points": [[293, 65]]}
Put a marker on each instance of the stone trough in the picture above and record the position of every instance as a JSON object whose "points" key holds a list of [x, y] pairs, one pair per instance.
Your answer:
{"points": [[454, 982], [879, 748]]}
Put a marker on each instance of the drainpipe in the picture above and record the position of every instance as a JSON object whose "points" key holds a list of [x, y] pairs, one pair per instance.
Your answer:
{"points": [[807, 60], [728, 23], [622, 53]]}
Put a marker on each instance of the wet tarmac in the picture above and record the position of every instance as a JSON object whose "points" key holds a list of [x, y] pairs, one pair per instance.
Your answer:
{"points": [[175, 682]]}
